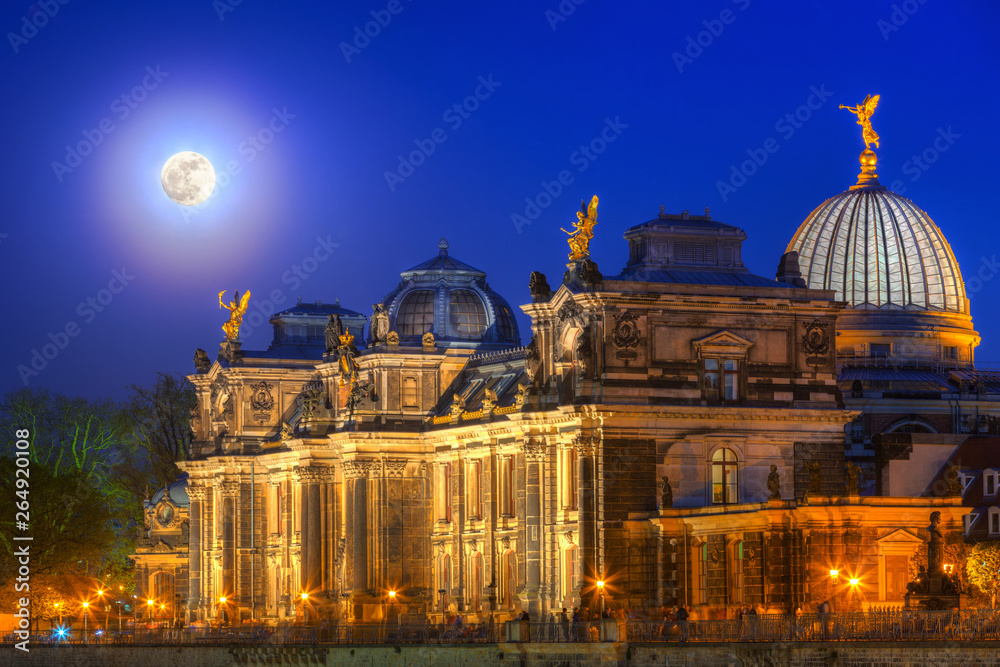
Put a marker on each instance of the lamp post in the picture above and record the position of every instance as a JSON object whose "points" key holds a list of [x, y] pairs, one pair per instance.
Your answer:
{"points": [[60, 612], [305, 608], [86, 639], [150, 605], [119, 603], [392, 602], [100, 596], [222, 609]]}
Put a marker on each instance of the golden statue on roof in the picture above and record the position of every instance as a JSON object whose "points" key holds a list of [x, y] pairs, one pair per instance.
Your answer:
{"points": [[237, 307], [864, 113], [583, 230]]}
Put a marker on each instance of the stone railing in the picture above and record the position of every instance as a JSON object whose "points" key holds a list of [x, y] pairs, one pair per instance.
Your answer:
{"points": [[889, 626]]}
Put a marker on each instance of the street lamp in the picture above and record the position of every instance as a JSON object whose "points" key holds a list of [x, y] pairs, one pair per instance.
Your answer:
{"points": [[854, 582], [600, 588], [86, 639], [119, 603], [305, 609], [150, 605], [392, 602], [60, 612], [100, 596]]}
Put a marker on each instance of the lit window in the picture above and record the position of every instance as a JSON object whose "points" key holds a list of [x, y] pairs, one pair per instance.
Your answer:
{"points": [[994, 522], [722, 379], [724, 477]]}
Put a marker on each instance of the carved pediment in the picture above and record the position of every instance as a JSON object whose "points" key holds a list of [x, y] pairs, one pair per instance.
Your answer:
{"points": [[162, 547], [722, 343]]}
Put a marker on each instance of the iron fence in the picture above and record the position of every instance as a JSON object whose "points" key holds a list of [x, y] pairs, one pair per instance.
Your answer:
{"points": [[967, 625]]}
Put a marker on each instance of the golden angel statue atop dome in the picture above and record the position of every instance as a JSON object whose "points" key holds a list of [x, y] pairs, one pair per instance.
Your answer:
{"points": [[583, 230], [864, 113], [237, 308]]}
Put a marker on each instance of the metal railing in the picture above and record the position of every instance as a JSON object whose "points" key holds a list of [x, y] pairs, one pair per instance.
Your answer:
{"points": [[893, 625]]}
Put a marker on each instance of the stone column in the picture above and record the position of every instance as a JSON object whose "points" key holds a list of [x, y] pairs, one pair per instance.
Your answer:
{"points": [[311, 533], [196, 494], [356, 473], [534, 455], [587, 513], [230, 490]]}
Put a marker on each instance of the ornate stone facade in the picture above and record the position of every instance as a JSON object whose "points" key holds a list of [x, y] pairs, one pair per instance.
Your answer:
{"points": [[488, 478]]}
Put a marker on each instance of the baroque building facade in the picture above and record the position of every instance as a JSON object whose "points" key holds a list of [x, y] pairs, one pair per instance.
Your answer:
{"points": [[676, 431]]}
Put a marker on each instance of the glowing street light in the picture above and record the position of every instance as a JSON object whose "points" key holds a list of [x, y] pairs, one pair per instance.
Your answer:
{"points": [[600, 587], [834, 574], [100, 595], [854, 582], [85, 637]]}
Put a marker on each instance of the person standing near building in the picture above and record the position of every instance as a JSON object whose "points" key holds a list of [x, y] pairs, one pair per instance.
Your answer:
{"points": [[682, 622]]}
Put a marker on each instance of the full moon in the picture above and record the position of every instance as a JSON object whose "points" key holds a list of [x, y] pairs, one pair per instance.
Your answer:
{"points": [[188, 178]]}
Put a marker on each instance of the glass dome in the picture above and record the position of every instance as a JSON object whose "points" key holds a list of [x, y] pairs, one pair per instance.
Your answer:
{"points": [[878, 250], [451, 300]]}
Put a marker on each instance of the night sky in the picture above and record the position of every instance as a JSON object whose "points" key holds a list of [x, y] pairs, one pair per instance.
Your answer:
{"points": [[307, 114]]}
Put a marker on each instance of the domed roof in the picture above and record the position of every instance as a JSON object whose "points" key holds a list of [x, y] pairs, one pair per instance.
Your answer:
{"points": [[878, 250], [451, 300], [176, 491]]}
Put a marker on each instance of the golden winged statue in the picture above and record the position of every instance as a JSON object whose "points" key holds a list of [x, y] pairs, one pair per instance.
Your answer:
{"points": [[237, 308], [864, 113], [583, 230]]}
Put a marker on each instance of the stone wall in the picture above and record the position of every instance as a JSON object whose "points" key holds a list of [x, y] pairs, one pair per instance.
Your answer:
{"points": [[817, 654]]}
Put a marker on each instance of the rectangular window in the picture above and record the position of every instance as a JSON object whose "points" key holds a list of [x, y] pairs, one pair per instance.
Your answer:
{"points": [[994, 521], [410, 392], [567, 477], [703, 574], [951, 352], [721, 379], [473, 489], [442, 492], [505, 482], [277, 508], [881, 349]]}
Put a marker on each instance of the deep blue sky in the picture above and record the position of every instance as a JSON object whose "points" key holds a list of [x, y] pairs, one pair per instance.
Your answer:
{"points": [[323, 175]]}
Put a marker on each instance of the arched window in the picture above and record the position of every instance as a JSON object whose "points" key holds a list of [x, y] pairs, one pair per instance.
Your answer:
{"points": [[444, 580], [416, 313], [570, 578], [468, 316], [725, 477], [736, 574], [475, 581], [508, 579], [163, 588]]}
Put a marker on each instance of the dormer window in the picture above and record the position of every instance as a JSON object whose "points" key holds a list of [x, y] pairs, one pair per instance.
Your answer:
{"points": [[991, 481], [968, 521], [994, 522]]}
